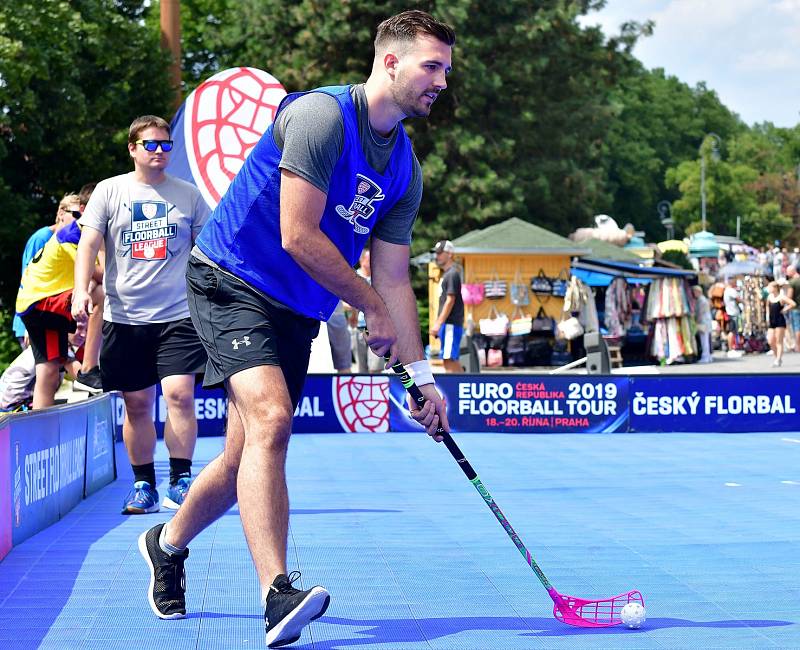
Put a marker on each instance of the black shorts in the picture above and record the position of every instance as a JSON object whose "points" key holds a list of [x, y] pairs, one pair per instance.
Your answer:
{"points": [[242, 328], [135, 357]]}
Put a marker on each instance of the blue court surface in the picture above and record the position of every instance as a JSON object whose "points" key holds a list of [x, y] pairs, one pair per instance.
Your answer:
{"points": [[706, 526]]}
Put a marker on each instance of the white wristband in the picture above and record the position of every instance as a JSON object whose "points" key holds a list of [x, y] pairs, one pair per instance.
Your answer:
{"points": [[420, 372]]}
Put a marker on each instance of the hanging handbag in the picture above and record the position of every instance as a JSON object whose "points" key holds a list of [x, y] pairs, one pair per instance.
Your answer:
{"points": [[561, 283], [520, 323], [472, 294], [519, 291], [541, 284], [495, 289], [542, 322], [570, 328], [496, 324], [494, 358]]}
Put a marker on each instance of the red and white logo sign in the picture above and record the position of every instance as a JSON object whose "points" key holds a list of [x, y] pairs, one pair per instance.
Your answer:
{"points": [[225, 117], [361, 402]]}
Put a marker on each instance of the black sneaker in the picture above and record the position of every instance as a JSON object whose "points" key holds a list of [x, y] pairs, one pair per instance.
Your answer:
{"points": [[289, 610], [167, 576], [89, 381]]}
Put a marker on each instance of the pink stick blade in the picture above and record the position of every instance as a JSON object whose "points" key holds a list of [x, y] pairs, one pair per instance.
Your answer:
{"points": [[581, 612]]}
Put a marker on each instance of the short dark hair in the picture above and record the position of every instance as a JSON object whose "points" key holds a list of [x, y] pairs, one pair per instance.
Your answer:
{"points": [[85, 193], [408, 25], [146, 122]]}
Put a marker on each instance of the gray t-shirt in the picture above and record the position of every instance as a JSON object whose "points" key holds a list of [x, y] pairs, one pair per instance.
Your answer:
{"points": [[310, 134], [148, 231]]}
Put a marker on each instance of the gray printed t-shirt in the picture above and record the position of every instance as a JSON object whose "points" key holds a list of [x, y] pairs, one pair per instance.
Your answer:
{"points": [[310, 134], [148, 231]]}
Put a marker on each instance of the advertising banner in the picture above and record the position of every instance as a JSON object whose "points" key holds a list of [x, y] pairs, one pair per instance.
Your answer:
{"points": [[330, 404], [5, 490], [70, 458], [34, 473], [718, 403], [343, 403], [100, 468], [525, 404]]}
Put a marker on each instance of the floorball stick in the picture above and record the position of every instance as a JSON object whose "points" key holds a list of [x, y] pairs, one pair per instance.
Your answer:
{"points": [[581, 612]]}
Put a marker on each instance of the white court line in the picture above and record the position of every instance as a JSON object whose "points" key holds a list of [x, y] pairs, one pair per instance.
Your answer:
{"points": [[791, 482], [790, 440], [733, 485]]}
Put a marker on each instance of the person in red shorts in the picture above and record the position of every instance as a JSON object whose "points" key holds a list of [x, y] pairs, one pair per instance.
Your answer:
{"points": [[44, 304]]}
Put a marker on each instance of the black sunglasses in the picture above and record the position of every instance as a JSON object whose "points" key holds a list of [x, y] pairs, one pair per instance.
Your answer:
{"points": [[152, 145]]}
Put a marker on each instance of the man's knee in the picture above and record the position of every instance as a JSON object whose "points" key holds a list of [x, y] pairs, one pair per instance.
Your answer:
{"points": [[139, 404], [269, 426], [179, 399]]}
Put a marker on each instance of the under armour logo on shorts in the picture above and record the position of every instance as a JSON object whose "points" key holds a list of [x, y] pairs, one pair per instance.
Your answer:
{"points": [[236, 343]]}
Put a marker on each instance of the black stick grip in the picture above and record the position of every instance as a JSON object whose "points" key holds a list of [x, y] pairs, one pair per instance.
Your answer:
{"points": [[419, 398]]}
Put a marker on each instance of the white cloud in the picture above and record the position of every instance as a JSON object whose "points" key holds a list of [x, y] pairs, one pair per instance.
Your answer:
{"points": [[746, 50]]}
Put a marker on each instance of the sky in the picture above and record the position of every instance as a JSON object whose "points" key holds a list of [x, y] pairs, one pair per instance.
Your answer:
{"points": [[748, 51]]}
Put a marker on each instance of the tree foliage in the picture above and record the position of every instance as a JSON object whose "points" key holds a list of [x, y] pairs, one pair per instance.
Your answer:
{"points": [[73, 75]]}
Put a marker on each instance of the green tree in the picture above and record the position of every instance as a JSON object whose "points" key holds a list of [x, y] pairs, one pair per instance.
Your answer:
{"points": [[661, 121], [73, 75]]}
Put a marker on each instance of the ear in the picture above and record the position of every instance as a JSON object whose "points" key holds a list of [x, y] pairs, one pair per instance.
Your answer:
{"points": [[390, 63]]}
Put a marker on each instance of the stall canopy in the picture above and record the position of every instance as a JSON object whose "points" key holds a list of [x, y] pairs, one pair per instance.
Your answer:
{"points": [[600, 273]]}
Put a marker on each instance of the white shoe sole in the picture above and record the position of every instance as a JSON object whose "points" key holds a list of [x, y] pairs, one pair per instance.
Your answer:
{"points": [[170, 504], [146, 556], [288, 630], [76, 385]]}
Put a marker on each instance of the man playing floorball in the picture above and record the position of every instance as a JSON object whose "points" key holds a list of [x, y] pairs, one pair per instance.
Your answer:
{"points": [[334, 169]]}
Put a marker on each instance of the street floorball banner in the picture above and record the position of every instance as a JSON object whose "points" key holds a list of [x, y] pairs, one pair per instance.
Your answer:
{"points": [[715, 403], [524, 404]]}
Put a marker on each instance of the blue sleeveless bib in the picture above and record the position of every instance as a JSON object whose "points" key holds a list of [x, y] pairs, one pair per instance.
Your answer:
{"points": [[243, 237]]}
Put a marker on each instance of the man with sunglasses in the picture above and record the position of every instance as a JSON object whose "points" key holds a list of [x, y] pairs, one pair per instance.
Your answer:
{"points": [[148, 221]]}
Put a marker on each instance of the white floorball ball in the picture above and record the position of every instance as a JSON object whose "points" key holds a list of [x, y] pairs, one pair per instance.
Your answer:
{"points": [[633, 615]]}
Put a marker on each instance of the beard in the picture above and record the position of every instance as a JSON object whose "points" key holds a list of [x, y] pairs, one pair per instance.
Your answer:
{"points": [[408, 99]]}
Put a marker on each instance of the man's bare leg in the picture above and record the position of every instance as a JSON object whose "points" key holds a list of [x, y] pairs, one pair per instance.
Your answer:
{"points": [[262, 400], [213, 491]]}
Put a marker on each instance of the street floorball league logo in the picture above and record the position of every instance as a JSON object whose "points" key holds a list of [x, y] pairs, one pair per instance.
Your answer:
{"points": [[367, 193], [150, 230], [361, 403], [225, 117]]}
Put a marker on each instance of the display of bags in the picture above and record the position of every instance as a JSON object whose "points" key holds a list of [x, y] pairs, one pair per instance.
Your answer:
{"points": [[538, 352], [542, 322], [496, 324], [472, 294], [570, 328], [541, 284], [519, 292], [561, 283], [495, 289]]}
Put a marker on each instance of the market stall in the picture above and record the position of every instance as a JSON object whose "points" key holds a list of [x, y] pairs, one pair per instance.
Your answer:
{"points": [[516, 274]]}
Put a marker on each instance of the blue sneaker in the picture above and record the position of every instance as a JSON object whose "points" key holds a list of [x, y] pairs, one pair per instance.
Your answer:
{"points": [[177, 493], [141, 500]]}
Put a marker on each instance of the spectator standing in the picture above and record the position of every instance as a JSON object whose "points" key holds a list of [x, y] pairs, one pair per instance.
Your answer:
{"points": [[731, 301], [34, 244], [88, 377], [449, 325], [793, 315], [148, 221], [339, 339], [43, 303], [702, 314], [777, 305], [778, 258], [366, 360]]}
